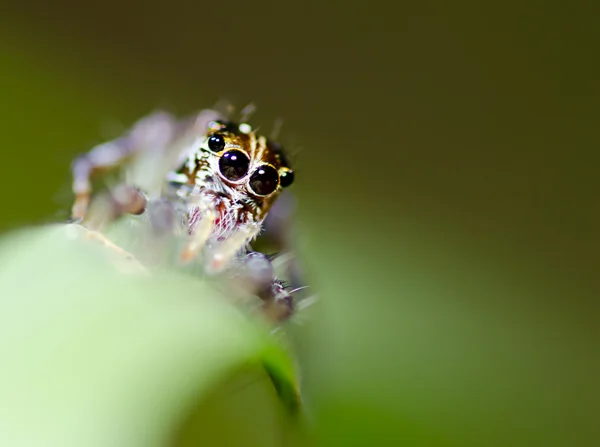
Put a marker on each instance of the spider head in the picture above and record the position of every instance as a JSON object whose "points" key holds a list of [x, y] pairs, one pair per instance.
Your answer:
{"points": [[235, 162]]}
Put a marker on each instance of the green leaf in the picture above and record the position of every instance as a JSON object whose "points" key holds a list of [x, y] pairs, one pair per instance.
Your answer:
{"points": [[95, 357]]}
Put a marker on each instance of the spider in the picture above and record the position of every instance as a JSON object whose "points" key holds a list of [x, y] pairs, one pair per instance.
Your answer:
{"points": [[208, 183]]}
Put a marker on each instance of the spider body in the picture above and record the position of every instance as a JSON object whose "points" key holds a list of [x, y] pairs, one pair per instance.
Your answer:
{"points": [[206, 179]]}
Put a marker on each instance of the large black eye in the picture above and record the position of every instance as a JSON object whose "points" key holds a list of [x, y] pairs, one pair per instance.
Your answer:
{"points": [[264, 180], [234, 165], [216, 143], [286, 178]]}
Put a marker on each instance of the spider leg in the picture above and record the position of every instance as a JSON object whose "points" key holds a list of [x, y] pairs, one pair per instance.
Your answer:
{"points": [[223, 253], [255, 275], [153, 131], [279, 234], [280, 305], [122, 259], [279, 237], [112, 204], [200, 224]]}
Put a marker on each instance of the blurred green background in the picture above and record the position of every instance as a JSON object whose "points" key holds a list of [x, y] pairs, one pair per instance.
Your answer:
{"points": [[446, 181]]}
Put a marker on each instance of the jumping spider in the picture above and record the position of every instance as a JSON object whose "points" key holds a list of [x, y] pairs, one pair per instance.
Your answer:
{"points": [[204, 181]]}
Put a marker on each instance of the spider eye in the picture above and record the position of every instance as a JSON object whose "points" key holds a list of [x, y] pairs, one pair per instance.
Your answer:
{"points": [[264, 180], [286, 178], [234, 165], [216, 143]]}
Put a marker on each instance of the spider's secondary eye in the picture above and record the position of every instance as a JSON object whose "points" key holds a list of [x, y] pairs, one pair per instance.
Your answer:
{"points": [[286, 178], [216, 143], [264, 180], [234, 165]]}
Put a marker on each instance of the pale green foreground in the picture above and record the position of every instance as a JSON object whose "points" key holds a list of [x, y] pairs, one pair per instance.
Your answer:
{"points": [[91, 357]]}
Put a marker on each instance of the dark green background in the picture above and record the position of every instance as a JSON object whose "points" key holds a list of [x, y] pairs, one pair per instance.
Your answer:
{"points": [[446, 177]]}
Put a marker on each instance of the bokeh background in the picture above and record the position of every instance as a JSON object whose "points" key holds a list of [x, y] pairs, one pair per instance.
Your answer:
{"points": [[446, 181]]}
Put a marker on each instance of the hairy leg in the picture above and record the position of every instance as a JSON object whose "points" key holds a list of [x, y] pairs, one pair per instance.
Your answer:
{"points": [[112, 204], [153, 131], [201, 218], [279, 236], [254, 273], [235, 245]]}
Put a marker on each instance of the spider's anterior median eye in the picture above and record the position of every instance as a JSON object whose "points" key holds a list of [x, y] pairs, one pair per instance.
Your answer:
{"points": [[264, 180], [216, 143], [234, 165]]}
